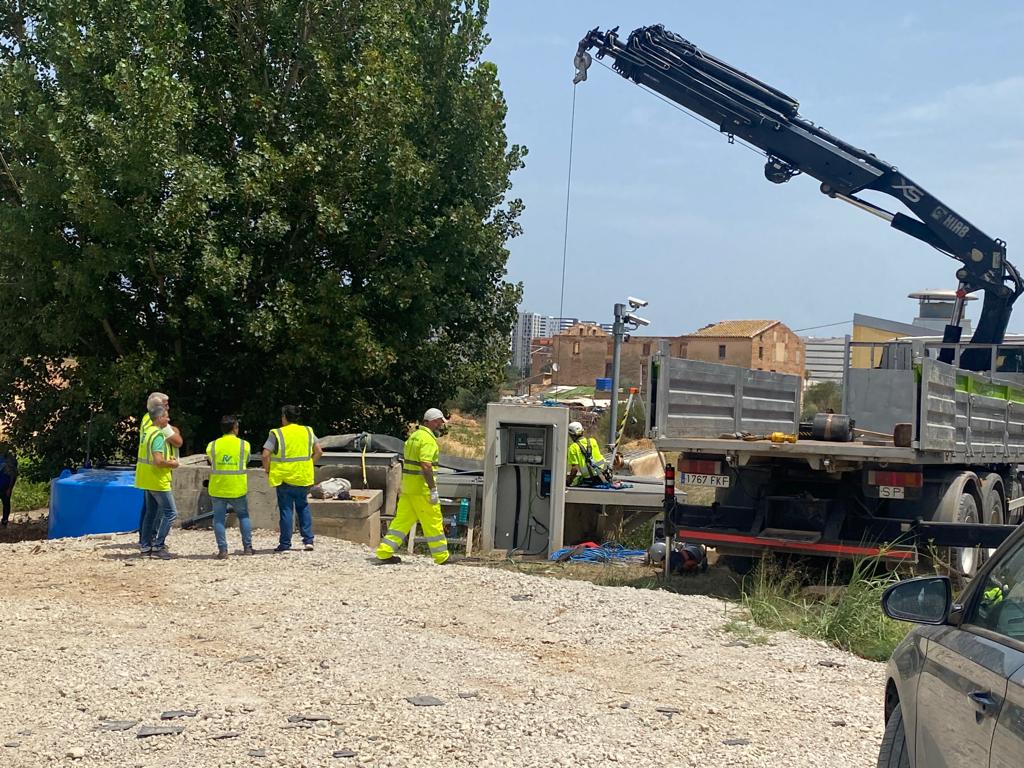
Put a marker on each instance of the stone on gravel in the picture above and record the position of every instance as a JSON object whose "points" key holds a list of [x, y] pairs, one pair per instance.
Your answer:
{"points": [[75, 753], [118, 725], [228, 735], [735, 742], [425, 701], [343, 753], [159, 730], [174, 714], [12, 744], [257, 753]]}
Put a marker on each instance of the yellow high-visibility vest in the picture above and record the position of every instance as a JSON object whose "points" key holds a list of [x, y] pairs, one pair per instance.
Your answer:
{"points": [[148, 475], [292, 459], [229, 456], [420, 448]]}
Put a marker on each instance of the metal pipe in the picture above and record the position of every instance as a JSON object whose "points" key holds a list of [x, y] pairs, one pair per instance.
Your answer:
{"points": [[864, 205], [618, 329]]}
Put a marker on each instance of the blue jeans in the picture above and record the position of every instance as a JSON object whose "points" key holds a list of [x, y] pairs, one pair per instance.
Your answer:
{"points": [[291, 497], [157, 519], [220, 513]]}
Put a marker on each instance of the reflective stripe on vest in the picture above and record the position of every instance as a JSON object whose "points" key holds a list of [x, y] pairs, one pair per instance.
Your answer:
{"points": [[279, 436], [297, 468]]}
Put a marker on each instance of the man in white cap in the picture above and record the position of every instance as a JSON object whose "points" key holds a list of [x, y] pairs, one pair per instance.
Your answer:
{"points": [[419, 501]]}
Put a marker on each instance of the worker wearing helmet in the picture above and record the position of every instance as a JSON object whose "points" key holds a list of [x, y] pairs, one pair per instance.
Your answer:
{"points": [[419, 501], [586, 464]]}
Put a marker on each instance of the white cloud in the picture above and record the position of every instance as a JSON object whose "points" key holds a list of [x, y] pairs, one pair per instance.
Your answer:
{"points": [[964, 101]]}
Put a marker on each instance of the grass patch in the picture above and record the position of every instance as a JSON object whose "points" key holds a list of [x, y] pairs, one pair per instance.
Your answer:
{"points": [[465, 438], [846, 613], [28, 495], [744, 631]]}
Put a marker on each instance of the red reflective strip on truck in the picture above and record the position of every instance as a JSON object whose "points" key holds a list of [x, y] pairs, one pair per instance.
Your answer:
{"points": [[670, 481], [700, 467], [896, 479], [707, 537]]}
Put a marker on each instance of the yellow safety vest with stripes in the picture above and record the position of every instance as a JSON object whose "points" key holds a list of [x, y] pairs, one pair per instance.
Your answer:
{"points": [[421, 447], [148, 475], [229, 456], [292, 459]]}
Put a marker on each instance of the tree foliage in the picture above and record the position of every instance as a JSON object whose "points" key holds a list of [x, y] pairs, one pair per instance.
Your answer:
{"points": [[823, 397], [244, 204]]}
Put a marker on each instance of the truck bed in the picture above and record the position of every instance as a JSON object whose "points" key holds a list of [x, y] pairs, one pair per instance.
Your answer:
{"points": [[804, 449]]}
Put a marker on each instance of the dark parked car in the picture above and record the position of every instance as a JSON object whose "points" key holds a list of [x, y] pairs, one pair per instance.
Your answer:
{"points": [[955, 693]]}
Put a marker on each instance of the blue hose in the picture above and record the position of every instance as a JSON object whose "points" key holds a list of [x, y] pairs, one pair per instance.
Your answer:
{"points": [[609, 552]]}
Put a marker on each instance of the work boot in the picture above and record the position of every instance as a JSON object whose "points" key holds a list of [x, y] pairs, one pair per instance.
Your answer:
{"points": [[393, 560], [308, 547], [147, 552], [163, 554], [248, 550], [222, 554], [282, 548]]}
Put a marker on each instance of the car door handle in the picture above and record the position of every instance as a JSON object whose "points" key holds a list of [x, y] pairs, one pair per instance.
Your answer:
{"points": [[984, 702]]}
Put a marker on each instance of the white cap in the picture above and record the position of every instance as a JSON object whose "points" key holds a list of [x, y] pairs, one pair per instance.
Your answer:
{"points": [[434, 413]]}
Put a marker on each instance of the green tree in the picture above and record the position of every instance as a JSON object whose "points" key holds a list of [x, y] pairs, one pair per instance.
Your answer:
{"points": [[247, 204], [822, 397]]}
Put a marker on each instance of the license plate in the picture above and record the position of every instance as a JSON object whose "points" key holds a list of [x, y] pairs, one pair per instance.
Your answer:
{"points": [[710, 481], [891, 492]]}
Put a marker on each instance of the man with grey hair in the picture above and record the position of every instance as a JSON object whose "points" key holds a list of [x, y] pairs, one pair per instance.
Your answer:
{"points": [[171, 433], [156, 460]]}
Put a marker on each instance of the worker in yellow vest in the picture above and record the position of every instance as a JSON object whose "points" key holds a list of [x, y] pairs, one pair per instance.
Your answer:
{"points": [[228, 456], [156, 459], [288, 456], [170, 432], [419, 500], [586, 464]]}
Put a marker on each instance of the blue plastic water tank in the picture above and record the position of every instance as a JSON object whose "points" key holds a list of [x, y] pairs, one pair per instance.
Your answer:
{"points": [[602, 385], [94, 501]]}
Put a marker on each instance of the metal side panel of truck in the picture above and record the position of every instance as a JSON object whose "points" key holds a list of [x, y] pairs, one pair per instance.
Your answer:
{"points": [[956, 485]]}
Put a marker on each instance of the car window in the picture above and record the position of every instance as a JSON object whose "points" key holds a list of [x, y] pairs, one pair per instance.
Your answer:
{"points": [[999, 606]]}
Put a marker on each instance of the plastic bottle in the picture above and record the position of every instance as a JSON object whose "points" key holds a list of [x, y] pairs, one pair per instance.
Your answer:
{"points": [[463, 511]]}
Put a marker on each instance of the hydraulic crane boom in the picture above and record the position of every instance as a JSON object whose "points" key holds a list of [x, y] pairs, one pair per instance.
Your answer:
{"points": [[742, 106]]}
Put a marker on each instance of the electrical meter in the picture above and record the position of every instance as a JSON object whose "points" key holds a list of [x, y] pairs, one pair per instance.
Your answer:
{"points": [[526, 446]]}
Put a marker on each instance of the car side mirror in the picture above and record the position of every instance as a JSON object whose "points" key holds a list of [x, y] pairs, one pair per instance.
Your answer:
{"points": [[925, 600]]}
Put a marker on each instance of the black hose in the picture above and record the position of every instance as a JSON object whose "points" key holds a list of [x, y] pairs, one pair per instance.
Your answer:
{"points": [[519, 506]]}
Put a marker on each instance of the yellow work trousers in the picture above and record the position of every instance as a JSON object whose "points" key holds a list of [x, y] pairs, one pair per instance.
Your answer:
{"points": [[412, 508]]}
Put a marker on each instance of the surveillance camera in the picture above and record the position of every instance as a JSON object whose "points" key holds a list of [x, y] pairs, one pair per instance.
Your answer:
{"points": [[636, 320], [636, 303]]}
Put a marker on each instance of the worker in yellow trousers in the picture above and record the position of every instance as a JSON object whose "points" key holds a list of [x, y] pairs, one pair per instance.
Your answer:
{"points": [[419, 500]]}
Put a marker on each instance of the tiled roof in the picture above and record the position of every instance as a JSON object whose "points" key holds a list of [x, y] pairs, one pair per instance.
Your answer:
{"points": [[738, 329]]}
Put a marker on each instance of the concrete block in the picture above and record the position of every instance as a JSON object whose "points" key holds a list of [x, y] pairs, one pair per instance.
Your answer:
{"points": [[360, 530]]}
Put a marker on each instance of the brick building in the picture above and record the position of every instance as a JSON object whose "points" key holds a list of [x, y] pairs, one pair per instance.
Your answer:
{"points": [[764, 345], [584, 352]]}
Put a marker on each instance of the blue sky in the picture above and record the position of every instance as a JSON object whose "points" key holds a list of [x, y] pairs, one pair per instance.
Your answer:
{"points": [[663, 208]]}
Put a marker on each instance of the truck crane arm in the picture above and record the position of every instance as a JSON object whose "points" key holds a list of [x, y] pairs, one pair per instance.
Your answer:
{"points": [[744, 107]]}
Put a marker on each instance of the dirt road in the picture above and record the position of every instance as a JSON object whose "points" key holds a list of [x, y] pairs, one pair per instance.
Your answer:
{"points": [[530, 671]]}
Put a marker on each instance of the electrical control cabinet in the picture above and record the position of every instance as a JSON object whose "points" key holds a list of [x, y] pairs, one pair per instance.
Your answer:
{"points": [[524, 478], [525, 446]]}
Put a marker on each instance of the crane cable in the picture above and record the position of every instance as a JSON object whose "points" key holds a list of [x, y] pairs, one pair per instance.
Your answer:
{"points": [[565, 236]]}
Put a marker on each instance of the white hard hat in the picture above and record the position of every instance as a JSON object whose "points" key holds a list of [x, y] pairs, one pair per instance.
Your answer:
{"points": [[434, 413], [657, 552], [575, 428]]}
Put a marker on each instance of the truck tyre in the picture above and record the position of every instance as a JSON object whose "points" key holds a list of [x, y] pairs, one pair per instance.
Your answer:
{"points": [[894, 752], [993, 508], [967, 559]]}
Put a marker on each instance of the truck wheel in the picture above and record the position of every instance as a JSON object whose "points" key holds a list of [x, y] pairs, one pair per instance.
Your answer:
{"points": [[992, 507], [894, 753], [965, 560]]}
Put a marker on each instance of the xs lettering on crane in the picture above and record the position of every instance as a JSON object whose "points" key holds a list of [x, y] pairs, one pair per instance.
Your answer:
{"points": [[912, 193]]}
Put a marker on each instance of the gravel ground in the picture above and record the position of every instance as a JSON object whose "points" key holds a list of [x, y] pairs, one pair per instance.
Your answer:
{"points": [[531, 671]]}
